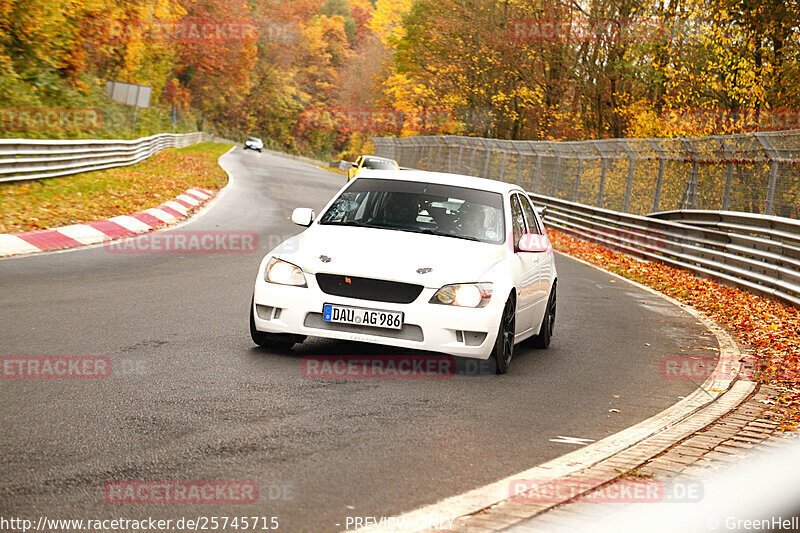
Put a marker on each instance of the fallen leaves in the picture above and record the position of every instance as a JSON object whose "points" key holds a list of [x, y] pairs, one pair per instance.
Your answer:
{"points": [[768, 328]]}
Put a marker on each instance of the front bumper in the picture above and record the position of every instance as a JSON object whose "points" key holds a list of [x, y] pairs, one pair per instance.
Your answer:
{"points": [[459, 331]]}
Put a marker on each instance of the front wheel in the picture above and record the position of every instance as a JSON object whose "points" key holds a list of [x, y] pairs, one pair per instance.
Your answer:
{"points": [[503, 350], [542, 340], [271, 340]]}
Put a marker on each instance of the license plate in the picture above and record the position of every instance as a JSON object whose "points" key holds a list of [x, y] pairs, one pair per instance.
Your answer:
{"points": [[362, 317]]}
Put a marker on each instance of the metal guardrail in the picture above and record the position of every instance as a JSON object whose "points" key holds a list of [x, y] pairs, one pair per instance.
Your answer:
{"points": [[31, 159], [755, 252], [752, 172], [773, 228]]}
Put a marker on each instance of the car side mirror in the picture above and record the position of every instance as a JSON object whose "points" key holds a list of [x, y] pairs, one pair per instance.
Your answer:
{"points": [[303, 216], [541, 211], [355, 165], [533, 242]]}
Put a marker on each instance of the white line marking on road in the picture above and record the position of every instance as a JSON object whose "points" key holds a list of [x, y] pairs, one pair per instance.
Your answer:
{"points": [[572, 440]]}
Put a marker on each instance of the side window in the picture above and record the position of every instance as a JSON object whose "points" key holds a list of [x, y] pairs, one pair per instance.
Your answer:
{"points": [[517, 219], [533, 224]]}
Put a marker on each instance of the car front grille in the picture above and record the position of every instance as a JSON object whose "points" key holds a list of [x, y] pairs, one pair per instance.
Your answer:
{"points": [[378, 290]]}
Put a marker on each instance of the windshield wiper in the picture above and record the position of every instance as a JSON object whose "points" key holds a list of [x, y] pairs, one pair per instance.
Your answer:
{"points": [[355, 223], [443, 234]]}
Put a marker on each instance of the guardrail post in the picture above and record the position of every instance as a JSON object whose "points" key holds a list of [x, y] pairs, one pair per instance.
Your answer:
{"points": [[601, 188], [726, 195], [660, 178], [519, 165], [472, 162], [537, 173], [629, 184], [659, 183], [503, 165], [577, 180], [690, 195], [555, 176], [486, 163], [773, 171]]}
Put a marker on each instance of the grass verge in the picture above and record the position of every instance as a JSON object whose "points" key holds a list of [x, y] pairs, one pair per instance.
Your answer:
{"points": [[90, 196], [766, 328]]}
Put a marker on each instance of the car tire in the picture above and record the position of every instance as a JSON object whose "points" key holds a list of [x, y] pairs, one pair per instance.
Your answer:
{"points": [[542, 340], [277, 341], [503, 350]]}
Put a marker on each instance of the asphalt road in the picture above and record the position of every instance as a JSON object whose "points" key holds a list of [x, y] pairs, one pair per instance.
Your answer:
{"points": [[191, 398]]}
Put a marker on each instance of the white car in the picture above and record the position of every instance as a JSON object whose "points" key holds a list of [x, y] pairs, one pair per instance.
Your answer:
{"points": [[422, 260], [254, 143]]}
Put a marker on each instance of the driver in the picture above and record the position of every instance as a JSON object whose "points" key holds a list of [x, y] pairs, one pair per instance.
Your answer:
{"points": [[472, 218], [401, 209]]}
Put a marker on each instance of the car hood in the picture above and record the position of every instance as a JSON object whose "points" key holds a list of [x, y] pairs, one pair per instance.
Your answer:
{"points": [[429, 260]]}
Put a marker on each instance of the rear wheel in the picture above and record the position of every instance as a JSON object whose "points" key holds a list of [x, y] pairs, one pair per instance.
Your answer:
{"points": [[504, 345], [542, 340], [278, 341]]}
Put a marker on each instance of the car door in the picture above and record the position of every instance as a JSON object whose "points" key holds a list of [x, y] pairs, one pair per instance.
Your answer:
{"points": [[526, 268], [543, 264]]}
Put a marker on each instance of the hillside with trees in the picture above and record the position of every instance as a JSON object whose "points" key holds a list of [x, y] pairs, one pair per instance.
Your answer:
{"points": [[320, 77]]}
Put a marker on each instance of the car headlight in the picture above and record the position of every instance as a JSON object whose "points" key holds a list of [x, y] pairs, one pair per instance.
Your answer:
{"points": [[284, 273], [464, 295]]}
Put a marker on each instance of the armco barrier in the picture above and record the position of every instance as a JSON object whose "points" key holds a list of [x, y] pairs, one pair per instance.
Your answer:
{"points": [[755, 252], [31, 159]]}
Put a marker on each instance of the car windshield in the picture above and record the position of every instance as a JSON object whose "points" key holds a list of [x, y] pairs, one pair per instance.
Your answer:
{"points": [[419, 207], [253, 139], [378, 164]]}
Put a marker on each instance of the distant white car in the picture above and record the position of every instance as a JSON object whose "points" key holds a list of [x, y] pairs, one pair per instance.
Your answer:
{"points": [[439, 262], [254, 143]]}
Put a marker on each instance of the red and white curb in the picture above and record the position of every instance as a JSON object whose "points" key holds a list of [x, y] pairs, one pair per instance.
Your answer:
{"points": [[101, 231]]}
